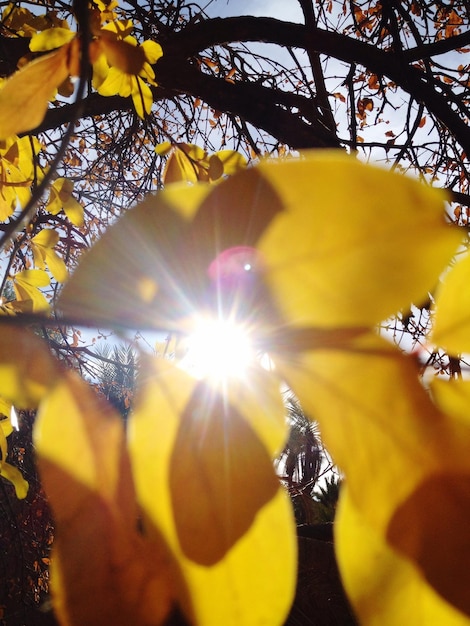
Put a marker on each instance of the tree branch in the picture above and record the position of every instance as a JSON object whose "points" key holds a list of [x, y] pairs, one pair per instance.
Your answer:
{"points": [[255, 103], [269, 109], [197, 37]]}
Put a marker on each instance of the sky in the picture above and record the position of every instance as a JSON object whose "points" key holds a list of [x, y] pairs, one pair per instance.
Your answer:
{"points": [[281, 9]]}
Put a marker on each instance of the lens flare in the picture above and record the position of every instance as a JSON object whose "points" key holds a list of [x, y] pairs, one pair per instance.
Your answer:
{"points": [[218, 349]]}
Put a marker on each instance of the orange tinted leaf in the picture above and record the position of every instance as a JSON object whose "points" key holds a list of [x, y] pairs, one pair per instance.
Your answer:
{"points": [[216, 167], [253, 581], [217, 454], [122, 54], [120, 578], [179, 168], [363, 106], [384, 587], [350, 392]]}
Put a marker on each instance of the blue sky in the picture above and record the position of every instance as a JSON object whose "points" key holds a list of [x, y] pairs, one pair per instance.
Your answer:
{"points": [[281, 9]]}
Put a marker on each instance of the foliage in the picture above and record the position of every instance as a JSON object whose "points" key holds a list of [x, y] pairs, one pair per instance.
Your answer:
{"points": [[26, 535], [310, 253]]}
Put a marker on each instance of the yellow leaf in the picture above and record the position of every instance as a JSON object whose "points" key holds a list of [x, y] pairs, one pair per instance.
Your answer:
{"points": [[249, 581], [218, 454], [143, 241], [232, 161], [452, 397], [451, 322], [14, 476], [5, 430], [46, 238], [43, 244], [56, 266], [60, 197], [117, 82], [153, 51], [142, 98], [216, 167], [193, 152], [340, 272], [384, 588], [27, 369], [50, 39], [33, 278], [100, 65], [74, 211], [26, 285], [180, 168], [121, 28], [125, 56], [163, 148], [5, 422], [24, 97], [5, 407], [317, 274], [189, 163], [120, 578], [375, 418]]}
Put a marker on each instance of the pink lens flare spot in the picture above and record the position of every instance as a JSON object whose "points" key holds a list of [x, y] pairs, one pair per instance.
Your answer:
{"points": [[235, 264]]}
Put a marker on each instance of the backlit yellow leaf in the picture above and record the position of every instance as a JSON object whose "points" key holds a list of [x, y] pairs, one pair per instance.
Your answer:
{"points": [[287, 210], [50, 39], [122, 54], [246, 581], [163, 148], [47, 238], [14, 476], [60, 197], [33, 278], [5, 422], [5, 407], [377, 420], [24, 97], [27, 369], [384, 587], [5, 430], [452, 397], [153, 51], [340, 272], [218, 454], [216, 167], [180, 168], [117, 82], [451, 324], [103, 570], [142, 240], [142, 97], [26, 286], [43, 249], [232, 161]]}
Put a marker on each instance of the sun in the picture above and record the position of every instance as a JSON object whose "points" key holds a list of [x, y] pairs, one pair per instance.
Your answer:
{"points": [[218, 349]]}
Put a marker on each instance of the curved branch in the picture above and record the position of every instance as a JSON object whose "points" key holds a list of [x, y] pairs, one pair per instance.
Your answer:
{"points": [[256, 104], [196, 37], [269, 109]]}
